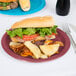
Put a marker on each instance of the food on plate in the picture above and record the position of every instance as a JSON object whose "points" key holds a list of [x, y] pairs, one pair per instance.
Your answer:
{"points": [[49, 50], [20, 49], [25, 5], [33, 48], [34, 37], [59, 42], [48, 42], [8, 4], [12, 4]]}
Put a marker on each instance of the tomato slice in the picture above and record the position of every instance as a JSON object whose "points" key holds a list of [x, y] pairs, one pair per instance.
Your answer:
{"points": [[31, 37], [54, 33]]}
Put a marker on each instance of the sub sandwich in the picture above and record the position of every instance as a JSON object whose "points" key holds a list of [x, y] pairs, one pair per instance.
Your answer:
{"points": [[34, 37], [8, 4]]}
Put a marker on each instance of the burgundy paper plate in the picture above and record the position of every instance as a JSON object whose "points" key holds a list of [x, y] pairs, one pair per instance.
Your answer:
{"points": [[62, 50]]}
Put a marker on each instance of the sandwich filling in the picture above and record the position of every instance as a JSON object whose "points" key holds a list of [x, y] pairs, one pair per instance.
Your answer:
{"points": [[8, 5], [24, 33]]}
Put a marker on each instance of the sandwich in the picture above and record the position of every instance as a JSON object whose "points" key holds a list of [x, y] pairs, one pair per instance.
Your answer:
{"points": [[25, 5], [8, 4], [34, 37]]}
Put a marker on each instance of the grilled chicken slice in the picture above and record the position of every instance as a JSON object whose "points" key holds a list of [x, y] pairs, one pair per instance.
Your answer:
{"points": [[17, 39]]}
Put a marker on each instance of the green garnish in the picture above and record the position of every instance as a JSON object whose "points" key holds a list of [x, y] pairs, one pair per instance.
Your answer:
{"points": [[15, 32], [44, 31], [4, 8], [53, 29], [0, 3], [4, 4], [30, 31]]}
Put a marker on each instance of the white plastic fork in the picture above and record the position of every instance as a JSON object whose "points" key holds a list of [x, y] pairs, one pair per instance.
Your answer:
{"points": [[66, 29]]}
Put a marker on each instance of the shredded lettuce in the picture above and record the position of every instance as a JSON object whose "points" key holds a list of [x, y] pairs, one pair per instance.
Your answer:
{"points": [[15, 32], [44, 31], [11, 33], [30, 31], [53, 29]]}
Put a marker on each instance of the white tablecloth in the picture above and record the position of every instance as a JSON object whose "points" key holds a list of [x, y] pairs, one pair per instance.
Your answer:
{"points": [[64, 66]]}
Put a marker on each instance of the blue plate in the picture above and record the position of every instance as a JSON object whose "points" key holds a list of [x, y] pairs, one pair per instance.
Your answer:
{"points": [[36, 5]]}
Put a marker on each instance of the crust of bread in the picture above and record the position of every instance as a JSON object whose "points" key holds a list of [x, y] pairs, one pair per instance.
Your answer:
{"points": [[35, 22], [8, 0], [25, 5]]}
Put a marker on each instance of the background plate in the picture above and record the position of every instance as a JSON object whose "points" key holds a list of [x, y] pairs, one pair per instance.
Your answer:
{"points": [[62, 50], [36, 5]]}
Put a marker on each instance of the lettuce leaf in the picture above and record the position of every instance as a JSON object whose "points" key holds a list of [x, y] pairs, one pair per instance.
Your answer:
{"points": [[15, 32], [18, 32], [53, 29], [11, 33], [30, 31], [44, 31]]}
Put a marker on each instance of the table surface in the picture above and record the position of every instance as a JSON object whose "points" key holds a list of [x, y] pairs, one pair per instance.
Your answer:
{"points": [[64, 66]]}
